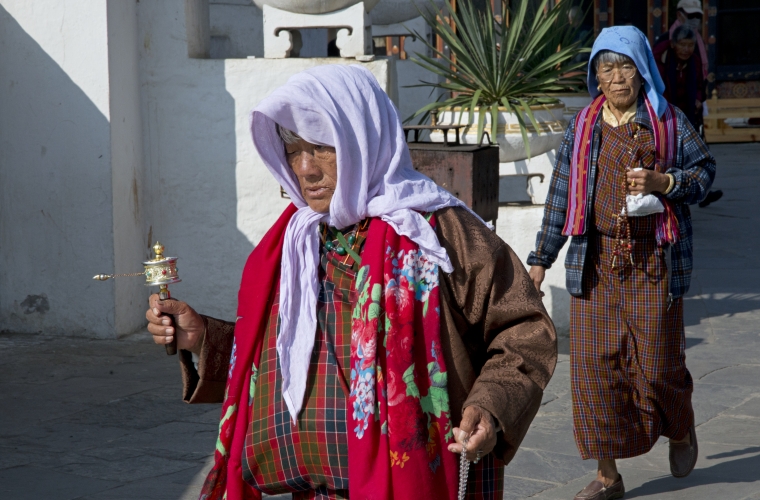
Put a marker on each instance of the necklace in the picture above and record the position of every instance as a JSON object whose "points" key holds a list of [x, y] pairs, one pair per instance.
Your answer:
{"points": [[346, 245], [621, 251]]}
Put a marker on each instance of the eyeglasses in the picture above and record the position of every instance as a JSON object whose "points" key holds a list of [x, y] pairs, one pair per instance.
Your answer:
{"points": [[607, 74]]}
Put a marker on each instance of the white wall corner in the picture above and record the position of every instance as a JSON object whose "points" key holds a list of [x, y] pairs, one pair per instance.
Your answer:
{"points": [[127, 167]]}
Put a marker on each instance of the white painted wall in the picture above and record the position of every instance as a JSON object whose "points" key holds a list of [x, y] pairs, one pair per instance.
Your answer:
{"points": [[518, 226], [236, 29], [212, 198], [71, 170], [56, 199], [130, 240], [237, 32]]}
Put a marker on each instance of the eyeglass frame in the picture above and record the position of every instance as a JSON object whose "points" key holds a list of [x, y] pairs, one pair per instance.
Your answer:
{"points": [[612, 74]]}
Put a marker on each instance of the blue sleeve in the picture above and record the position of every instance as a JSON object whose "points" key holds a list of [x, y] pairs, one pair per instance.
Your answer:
{"points": [[550, 239], [694, 169]]}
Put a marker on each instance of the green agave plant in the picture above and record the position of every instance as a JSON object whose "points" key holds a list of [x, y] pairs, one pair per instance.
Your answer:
{"points": [[508, 64]]}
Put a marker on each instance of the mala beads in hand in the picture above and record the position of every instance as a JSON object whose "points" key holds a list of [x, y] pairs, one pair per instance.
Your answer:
{"points": [[621, 251], [464, 470], [623, 248]]}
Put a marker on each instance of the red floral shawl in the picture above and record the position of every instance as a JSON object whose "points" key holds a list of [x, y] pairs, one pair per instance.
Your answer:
{"points": [[399, 404]]}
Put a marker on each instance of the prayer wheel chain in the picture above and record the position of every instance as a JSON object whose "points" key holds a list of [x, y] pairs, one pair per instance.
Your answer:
{"points": [[623, 248]]}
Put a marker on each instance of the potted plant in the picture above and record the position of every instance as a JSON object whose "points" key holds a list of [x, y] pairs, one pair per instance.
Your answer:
{"points": [[499, 71]]}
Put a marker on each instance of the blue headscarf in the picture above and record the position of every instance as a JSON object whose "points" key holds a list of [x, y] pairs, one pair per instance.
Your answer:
{"points": [[630, 41]]}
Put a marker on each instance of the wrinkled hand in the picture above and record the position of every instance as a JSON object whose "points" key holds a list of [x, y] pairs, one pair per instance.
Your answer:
{"points": [[646, 182], [189, 327], [537, 274], [480, 426]]}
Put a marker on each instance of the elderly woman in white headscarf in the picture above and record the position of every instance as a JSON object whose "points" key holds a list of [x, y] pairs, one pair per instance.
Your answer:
{"points": [[382, 327]]}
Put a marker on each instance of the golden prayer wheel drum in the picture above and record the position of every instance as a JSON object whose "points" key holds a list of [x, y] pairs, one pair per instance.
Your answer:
{"points": [[161, 272]]}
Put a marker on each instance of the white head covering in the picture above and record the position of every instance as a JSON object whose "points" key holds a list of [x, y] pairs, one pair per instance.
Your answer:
{"points": [[690, 6], [340, 106]]}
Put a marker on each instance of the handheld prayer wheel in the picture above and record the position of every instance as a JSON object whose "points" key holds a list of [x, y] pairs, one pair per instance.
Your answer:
{"points": [[160, 271]]}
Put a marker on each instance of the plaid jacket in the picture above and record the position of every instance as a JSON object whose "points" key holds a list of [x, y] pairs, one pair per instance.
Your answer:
{"points": [[694, 171]]}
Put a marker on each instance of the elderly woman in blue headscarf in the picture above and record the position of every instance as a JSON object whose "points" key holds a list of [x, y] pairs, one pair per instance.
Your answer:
{"points": [[628, 167]]}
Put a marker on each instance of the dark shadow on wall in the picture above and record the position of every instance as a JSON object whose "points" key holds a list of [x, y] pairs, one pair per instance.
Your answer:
{"points": [[191, 157], [55, 195]]}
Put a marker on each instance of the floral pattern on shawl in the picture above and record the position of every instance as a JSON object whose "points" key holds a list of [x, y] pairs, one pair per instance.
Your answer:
{"points": [[398, 387]]}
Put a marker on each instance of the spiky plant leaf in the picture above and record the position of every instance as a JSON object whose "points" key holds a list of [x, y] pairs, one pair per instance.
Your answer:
{"points": [[513, 62]]}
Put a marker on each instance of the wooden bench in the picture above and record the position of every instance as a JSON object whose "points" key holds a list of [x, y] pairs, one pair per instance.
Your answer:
{"points": [[716, 129]]}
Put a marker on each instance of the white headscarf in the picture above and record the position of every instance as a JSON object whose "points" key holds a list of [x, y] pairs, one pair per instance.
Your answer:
{"points": [[340, 106]]}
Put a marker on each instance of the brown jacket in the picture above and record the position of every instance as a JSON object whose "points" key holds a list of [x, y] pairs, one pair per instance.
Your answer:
{"points": [[495, 333]]}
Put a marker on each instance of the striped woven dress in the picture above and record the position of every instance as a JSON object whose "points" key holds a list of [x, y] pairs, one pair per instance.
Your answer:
{"points": [[630, 384]]}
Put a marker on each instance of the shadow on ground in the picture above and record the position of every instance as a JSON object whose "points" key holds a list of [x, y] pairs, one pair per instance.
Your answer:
{"points": [[741, 470]]}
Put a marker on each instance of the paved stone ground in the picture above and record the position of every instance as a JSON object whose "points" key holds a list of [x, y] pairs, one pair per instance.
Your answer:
{"points": [[84, 419]]}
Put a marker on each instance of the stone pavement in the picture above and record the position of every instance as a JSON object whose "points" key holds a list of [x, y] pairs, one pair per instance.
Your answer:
{"points": [[87, 419]]}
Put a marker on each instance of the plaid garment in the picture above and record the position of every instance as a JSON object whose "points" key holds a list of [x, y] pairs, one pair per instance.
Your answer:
{"points": [[311, 461], [311, 458], [628, 375], [486, 479], [694, 172], [608, 201]]}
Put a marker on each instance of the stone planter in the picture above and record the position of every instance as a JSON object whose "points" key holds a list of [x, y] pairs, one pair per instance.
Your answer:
{"points": [[397, 11], [550, 119], [574, 102], [313, 6]]}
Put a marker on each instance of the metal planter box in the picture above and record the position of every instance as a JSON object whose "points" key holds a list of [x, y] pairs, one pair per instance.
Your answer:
{"points": [[471, 173]]}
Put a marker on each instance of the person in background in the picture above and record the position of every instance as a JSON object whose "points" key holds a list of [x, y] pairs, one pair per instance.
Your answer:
{"points": [[681, 71], [689, 14]]}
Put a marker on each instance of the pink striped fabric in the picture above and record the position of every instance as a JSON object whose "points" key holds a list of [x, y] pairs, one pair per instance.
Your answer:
{"points": [[665, 148], [575, 223], [665, 140]]}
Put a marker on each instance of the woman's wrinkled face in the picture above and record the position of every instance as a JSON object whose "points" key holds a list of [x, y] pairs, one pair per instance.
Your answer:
{"points": [[623, 86], [684, 48], [316, 168]]}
